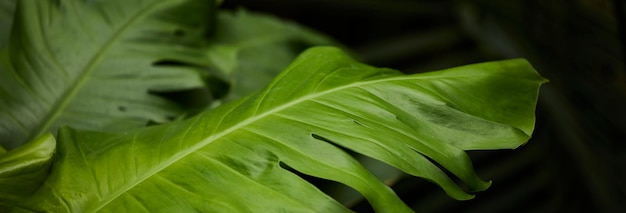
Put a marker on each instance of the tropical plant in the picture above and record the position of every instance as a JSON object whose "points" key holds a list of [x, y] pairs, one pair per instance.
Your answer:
{"points": [[86, 123]]}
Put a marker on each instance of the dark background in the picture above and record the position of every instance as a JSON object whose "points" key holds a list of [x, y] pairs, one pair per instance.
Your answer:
{"points": [[576, 160]]}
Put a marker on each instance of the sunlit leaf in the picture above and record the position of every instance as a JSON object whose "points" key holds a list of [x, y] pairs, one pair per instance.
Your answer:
{"points": [[241, 156], [22, 170]]}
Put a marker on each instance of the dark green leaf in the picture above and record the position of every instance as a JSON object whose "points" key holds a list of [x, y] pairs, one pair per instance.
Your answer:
{"points": [[91, 64], [250, 49], [7, 9]]}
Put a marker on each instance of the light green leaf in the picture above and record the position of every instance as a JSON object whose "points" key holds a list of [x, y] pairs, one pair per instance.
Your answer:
{"points": [[250, 49], [239, 157], [22, 170], [90, 64]]}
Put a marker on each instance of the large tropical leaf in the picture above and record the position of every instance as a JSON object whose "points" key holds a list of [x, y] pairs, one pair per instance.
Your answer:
{"points": [[22, 170], [241, 156], [91, 64], [250, 49]]}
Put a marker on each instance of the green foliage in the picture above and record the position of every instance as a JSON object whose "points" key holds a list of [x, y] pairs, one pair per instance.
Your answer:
{"points": [[91, 66], [23, 169], [249, 50], [7, 8], [231, 156]]}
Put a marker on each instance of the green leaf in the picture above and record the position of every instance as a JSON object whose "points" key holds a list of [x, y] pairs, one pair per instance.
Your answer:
{"points": [[7, 8], [91, 64], [250, 49], [24, 169], [240, 156]]}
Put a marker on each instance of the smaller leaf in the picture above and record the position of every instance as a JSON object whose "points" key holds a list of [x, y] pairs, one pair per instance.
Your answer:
{"points": [[250, 49], [22, 170]]}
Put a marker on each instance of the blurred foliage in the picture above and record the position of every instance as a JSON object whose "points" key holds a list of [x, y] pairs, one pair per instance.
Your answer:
{"points": [[577, 157], [250, 49], [7, 8]]}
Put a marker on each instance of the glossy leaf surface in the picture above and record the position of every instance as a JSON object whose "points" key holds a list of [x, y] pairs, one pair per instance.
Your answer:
{"points": [[239, 157]]}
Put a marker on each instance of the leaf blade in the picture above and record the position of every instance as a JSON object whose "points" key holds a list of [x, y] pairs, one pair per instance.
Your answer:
{"points": [[250, 49], [23, 170], [63, 56], [302, 124]]}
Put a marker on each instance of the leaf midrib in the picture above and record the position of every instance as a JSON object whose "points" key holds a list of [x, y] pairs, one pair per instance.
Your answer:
{"points": [[66, 97], [253, 119]]}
